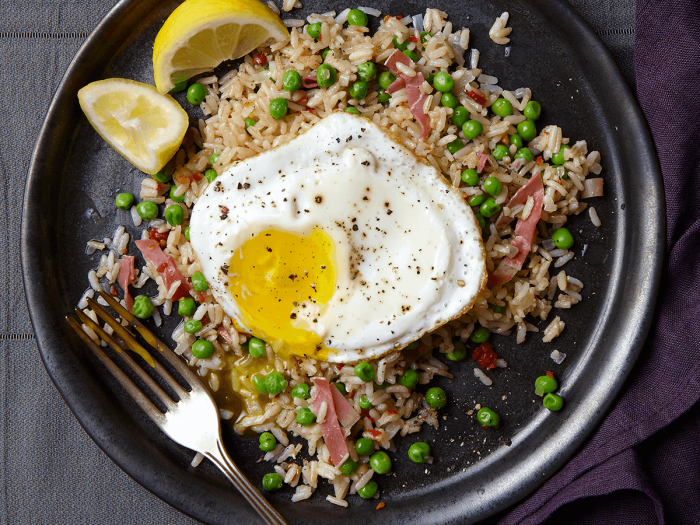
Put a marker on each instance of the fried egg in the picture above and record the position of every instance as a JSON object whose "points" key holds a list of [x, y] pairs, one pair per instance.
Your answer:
{"points": [[340, 245]]}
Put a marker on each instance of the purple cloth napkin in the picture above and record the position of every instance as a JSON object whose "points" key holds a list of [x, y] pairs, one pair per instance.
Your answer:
{"points": [[642, 466]]}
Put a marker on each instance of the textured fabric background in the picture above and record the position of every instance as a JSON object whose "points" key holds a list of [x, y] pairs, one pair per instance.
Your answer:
{"points": [[50, 470]]}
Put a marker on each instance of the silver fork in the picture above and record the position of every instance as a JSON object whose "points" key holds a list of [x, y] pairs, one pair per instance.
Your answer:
{"points": [[193, 421]]}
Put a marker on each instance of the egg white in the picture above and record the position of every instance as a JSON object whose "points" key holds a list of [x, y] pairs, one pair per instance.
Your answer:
{"points": [[408, 250]]}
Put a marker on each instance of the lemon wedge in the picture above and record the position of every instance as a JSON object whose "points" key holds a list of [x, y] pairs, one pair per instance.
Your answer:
{"points": [[200, 34], [145, 127]]}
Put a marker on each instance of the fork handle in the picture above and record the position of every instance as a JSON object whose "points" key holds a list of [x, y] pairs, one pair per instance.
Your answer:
{"points": [[267, 512]]}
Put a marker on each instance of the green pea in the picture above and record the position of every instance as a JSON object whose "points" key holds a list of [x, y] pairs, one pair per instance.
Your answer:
{"points": [[409, 379], [358, 90], [497, 309], [517, 140], [502, 108], [199, 282], [460, 116], [470, 177], [259, 384], [364, 446], [403, 46], [202, 349], [249, 122], [565, 176], [552, 402], [278, 108], [186, 307], [291, 81], [369, 490], [472, 129], [482, 222], [386, 78], [436, 397], [493, 186], [488, 417], [532, 110], [210, 174], [301, 391], [545, 385], [124, 201], [214, 156], [267, 442], [357, 18], [449, 100], [314, 30], [459, 353], [196, 94], [147, 210], [179, 86], [524, 153], [192, 326], [275, 383], [341, 388], [367, 71], [383, 97], [326, 75], [413, 345], [187, 233], [364, 371], [348, 468], [142, 307], [489, 207], [558, 157], [380, 462], [164, 175], [454, 146], [174, 214], [380, 387], [476, 200], [481, 335], [429, 79], [365, 403], [272, 481], [425, 36], [176, 198], [563, 239], [352, 109], [411, 54], [500, 152], [256, 348], [527, 130], [325, 52], [305, 417], [419, 452], [443, 82]]}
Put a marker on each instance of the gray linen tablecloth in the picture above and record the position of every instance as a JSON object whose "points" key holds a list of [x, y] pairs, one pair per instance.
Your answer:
{"points": [[50, 470]]}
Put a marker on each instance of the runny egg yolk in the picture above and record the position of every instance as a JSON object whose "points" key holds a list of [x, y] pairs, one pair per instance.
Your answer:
{"points": [[281, 282]]}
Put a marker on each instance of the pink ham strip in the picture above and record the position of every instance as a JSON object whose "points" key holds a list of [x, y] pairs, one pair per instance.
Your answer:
{"points": [[347, 415], [333, 435], [165, 266], [524, 233], [592, 188], [483, 157], [519, 198], [309, 82], [416, 97], [127, 277]]}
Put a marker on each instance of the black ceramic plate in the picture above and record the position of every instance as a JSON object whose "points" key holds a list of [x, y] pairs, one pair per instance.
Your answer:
{"points": [[69, 199]]}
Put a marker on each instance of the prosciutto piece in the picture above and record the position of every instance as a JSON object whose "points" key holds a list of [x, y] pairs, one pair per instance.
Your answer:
{"points": [[333, 435], [165, 266], [483, 157], [524, 233], [126, 277], [344, 411], [414, 93], [309, 82]]}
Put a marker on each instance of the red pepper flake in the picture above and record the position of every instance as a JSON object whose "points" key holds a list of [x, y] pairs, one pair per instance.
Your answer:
{"points": [[202, 297], [310, 110], [381, 505], [351, 395], [484, 427], [260, 59], [477, 96], [339, 366], [539, 160], [399, 17], [155, 235], [413, 38], [391, 412], [421, 349], [371, 419], [485, 356], [375, 433], [197, 176], [113, 289], [550, 374], [160, 187]]}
